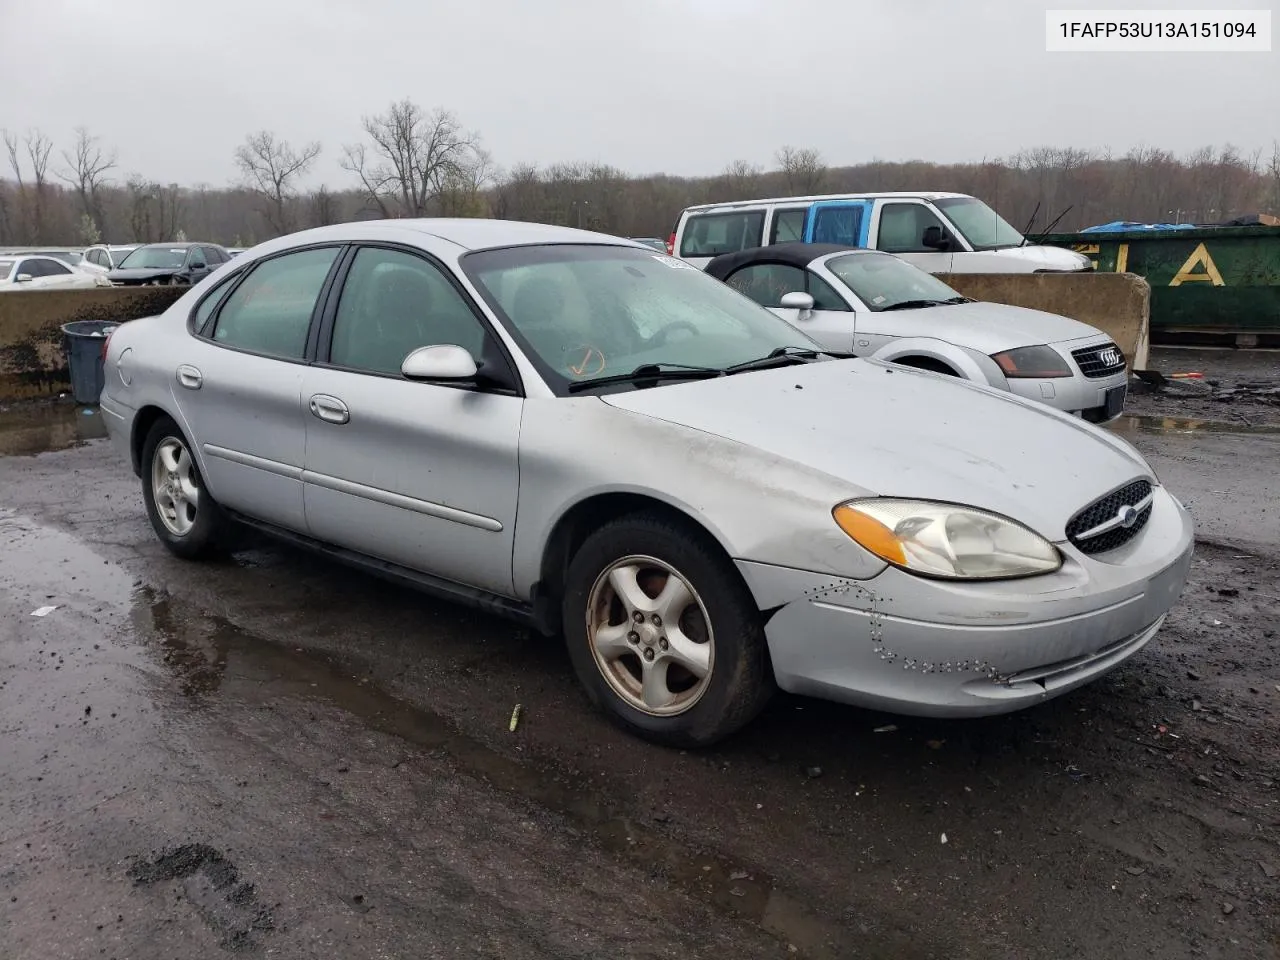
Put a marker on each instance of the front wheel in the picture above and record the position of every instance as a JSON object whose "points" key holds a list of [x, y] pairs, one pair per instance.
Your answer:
{"points": [[663, 633], [183, 514]]}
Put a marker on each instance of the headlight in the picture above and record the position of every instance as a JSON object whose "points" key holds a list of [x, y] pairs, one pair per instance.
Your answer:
{"points": [[1032, 362], [947, 541]]}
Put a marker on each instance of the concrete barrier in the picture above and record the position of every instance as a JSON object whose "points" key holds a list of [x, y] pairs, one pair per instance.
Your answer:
{"points": [[33, 361], [1118, 304]]}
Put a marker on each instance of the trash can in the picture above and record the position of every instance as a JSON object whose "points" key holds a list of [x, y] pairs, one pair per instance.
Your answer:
{"points": [[84, 339]]}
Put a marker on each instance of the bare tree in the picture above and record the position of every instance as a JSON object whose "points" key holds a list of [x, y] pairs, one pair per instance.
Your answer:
{"points": [[323, 207], [803, 170], [271, 169], [33, 193], [412, 154], [1273, 168], [462, 191], [86, 170]]}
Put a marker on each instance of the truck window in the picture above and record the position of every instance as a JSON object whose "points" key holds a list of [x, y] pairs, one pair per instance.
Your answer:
{"points": [[902, 227], [711, 234], [788, 225]]}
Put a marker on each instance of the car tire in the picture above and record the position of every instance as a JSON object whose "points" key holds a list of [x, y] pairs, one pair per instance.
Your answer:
{"points": [[739, 679], [192, 528]]}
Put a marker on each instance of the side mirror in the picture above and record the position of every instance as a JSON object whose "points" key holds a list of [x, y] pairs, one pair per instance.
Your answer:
{"points": [[797, 300], [22, 278], [440, 362], [935, 239]]}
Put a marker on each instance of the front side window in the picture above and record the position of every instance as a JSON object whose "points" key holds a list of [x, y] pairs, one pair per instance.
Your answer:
{"points": [[824, 296], [902, 227], [767, 283], [884, 282], [392, 303], [583, 311], [713, 234], [979, 224], [270, 312]]}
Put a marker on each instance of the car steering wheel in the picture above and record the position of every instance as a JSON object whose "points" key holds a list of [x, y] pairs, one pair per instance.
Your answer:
{"points": [[660, 337]]}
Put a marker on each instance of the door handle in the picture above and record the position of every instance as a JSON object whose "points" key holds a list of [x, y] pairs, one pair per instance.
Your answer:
{"points": [[329, 409], [190, 377]]}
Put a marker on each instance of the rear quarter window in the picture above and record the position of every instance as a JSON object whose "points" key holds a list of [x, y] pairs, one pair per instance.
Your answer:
{"points": [[712, 234]]}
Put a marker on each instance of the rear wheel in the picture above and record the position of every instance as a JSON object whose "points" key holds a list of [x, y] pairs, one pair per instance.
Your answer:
{"points": [[663, 633], [184, 516]]}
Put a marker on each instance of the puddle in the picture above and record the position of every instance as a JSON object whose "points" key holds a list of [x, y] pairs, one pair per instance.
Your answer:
{"points": [[1130, 423], [33, 428], [200, 650]]}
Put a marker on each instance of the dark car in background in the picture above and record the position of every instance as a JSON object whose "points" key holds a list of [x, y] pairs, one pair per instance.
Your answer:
{"points": [[168, 264]]}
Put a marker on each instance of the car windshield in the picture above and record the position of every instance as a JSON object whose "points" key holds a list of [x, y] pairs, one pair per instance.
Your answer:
{"points": [[587, 311], [981, 226], [154, 258], [6, 267], [882, 281]]}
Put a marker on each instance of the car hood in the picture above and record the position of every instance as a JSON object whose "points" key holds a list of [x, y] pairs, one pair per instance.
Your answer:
{"points": [[1046, 258], [144, 273], [988, 327], [891, 431]]}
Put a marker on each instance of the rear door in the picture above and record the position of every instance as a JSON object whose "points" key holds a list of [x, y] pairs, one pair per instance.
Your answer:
{"points": [[238, 382], [838, 221]]}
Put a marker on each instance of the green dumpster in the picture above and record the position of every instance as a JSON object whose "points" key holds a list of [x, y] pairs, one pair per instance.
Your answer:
{"points": [[1217, 281]]}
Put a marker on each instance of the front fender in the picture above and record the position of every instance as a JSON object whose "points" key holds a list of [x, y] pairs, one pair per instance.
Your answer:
{"points": [[969, 364]]}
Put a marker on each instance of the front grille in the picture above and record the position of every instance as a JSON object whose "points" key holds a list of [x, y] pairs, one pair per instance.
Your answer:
{"points": [[1105, 512], [1101, 360]]}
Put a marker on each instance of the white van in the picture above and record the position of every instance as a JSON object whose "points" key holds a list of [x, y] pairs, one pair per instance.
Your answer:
{"points": [[938, 232]]}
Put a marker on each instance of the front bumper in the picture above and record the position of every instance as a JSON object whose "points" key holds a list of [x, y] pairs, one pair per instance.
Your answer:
{"points": [[1077, 395], [910, 645]]}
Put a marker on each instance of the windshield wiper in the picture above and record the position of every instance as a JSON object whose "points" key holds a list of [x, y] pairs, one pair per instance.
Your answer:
{"points": [[912, 305], [960, 300], [779, 357], [649, 373]]}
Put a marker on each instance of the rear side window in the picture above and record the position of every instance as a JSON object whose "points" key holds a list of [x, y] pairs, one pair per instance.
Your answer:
{"points": [[788, 226], [711, 234], [206, 307], [270, 311], [838, 225], [6, 268]]}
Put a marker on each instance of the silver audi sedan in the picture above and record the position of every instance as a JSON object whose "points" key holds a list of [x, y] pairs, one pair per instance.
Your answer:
{"points": [[585, 434], [876, 305]]}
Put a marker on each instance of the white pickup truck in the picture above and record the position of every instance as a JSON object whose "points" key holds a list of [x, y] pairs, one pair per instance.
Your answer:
{"points": [[938, 232]]}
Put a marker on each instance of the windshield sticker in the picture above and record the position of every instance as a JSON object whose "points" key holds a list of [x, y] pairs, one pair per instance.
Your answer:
{"points": [[878, 300], [672, 262]]}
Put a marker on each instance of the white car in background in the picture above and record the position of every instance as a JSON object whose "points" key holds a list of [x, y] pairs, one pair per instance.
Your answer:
{"points": [[42, 272], [108, 257], [878, 306]]}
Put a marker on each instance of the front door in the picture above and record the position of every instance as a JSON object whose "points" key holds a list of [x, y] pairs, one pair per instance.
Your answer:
{"points": [[900, 229], [418, 474], [830, 322], [238, 384]]}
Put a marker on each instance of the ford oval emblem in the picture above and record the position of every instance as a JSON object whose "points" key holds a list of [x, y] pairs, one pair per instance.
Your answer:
{"points": [[1127, 516]]}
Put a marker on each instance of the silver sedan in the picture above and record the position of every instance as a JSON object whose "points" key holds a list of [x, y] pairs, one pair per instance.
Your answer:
{"points": [[876, 305], [600, 440]]}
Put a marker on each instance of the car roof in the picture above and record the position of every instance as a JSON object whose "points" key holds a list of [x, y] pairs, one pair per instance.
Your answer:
{"points": [[468, 233], [789, 254], [814, 198]]}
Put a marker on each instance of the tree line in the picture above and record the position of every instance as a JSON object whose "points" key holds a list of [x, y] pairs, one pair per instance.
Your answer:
{"points": [[411, 162]]}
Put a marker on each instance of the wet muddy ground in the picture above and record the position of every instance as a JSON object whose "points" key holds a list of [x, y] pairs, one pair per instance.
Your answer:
{"points": [[274, 755]]}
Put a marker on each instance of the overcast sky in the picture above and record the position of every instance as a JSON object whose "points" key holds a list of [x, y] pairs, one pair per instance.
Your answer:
{"points": [[680, 86]]}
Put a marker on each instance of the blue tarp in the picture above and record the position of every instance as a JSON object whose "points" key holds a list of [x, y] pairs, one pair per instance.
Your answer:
{"points": [[1124, 226]]}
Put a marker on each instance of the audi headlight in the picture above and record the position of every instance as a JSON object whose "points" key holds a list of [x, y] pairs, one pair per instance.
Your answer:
{"points": [[946, 540], [1041, 361]]}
